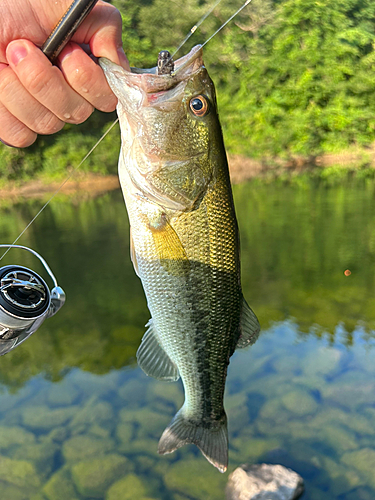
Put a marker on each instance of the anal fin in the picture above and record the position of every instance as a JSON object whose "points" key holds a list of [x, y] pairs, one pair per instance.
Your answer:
{"points": [[153, 359], [249, 326]]}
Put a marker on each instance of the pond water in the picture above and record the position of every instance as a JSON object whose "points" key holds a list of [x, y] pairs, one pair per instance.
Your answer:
{"points": [[79, 419]]}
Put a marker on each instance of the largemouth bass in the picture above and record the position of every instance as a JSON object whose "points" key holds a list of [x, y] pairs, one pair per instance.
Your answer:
{"points": [[184, 242]]}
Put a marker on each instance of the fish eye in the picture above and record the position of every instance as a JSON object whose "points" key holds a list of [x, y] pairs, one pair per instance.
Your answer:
{"points": [[199, 105]]}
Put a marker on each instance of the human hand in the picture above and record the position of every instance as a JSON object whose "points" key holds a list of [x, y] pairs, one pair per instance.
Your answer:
{"points": [[37, 97]]}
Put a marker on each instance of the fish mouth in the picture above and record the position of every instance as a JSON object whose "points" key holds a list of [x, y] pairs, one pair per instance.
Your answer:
{"points": [[148, 80]]}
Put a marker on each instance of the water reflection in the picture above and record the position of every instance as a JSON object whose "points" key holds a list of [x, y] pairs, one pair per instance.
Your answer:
{"points": [[77, 421]]}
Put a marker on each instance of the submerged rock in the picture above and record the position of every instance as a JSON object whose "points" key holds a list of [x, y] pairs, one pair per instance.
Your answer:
{"points": [[41, 455], [94, 412], [15, 436], [42, 418], [129, 487], [19, 473], [93, 477], [81, 447], [60, 486], [299, 403], [264, 482], [363, 461], [194, 478], [11, 492]]}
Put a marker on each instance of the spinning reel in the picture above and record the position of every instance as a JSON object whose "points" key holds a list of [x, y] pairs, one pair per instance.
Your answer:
{"points": [[25, 301]]}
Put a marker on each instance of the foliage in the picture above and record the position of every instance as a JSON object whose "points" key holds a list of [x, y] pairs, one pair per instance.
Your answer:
{"points": [[294, 77]]}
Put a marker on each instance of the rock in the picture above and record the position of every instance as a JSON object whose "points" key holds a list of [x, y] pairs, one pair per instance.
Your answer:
{"points": [[195, 478], [145, 446], [40, 454], [43, 418], [62, 394], [351, 394], [342, 478], [94, 412], [178, 496], [150, 422], [129, 487], [264, 482], [363, 461], [251, 448], [354, 421], [19, 473], [81, 447], [12, 436], [145, 464], [11, 492], [60, 486], [38, 496], [97, 430], [360, 494], [237, 411], [299, 403], [169, 393], [133, 391], [58, 434], [124, 432], [93, 477]]}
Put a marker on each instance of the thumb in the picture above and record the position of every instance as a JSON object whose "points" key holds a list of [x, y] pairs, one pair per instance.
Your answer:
{"points": [[102, 31]]}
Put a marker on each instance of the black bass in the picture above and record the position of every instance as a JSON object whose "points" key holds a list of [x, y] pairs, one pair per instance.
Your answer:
{"points": [[184, 242]]}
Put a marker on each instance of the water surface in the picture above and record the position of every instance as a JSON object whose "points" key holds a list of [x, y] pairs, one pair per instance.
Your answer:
{"points": [[79, 420]]}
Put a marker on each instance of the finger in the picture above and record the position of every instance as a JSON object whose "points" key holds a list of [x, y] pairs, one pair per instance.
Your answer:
{"points": [[13, 132], [102, 30], [86, 77], [46, 83], [24, 106]]}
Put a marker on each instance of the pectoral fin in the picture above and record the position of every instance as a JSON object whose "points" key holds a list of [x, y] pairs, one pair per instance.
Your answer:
{"points": [[249, 326], [132, 254], [153, 359], [169, 248]]}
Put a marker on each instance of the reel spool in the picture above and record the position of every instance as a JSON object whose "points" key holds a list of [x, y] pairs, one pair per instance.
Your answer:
{"points": [[25, 301]]}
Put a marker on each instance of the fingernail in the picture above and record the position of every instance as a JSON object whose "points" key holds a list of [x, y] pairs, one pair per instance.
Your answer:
{"points": [[123, 59], [16, 52]]}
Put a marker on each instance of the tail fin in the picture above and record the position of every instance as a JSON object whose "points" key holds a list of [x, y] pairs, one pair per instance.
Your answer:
{"points": [[213, 441]]}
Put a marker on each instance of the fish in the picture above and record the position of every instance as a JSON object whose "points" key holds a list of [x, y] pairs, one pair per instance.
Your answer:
{"points": [[184, 242]]}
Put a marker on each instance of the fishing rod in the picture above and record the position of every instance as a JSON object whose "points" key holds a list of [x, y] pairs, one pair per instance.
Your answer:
{"points": [[66, 27]]}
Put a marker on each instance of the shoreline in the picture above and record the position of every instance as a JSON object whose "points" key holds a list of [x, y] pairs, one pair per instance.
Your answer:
{"points": [[241, 169]]}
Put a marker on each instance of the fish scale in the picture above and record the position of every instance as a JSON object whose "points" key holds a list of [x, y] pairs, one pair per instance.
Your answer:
{"points": [[185, 246]]}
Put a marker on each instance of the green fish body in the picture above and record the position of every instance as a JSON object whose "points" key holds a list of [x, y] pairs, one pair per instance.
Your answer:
{"points": [[184, 242]]}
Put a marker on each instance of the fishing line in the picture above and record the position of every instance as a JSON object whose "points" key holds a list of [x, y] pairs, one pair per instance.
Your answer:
{"points": [[227, 21], [195, 27], [62, 185]]}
